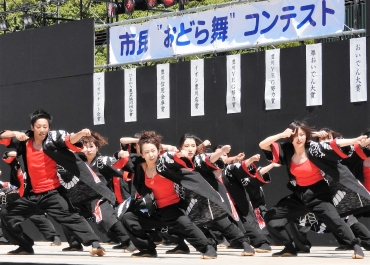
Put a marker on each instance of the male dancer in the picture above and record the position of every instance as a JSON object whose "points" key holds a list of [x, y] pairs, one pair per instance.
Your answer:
{"points": [[41, 150]]}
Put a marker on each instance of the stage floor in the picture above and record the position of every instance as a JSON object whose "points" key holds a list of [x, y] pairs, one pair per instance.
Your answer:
{"points": [[46, 254]]}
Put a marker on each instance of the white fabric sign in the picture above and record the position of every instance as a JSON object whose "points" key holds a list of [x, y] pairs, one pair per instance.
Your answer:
{"points": [[272, 85], [99, 98], [314, 75], [231, 27], [163, 91], [358, 70], [233, 93], [197, 87], [130, 95]]}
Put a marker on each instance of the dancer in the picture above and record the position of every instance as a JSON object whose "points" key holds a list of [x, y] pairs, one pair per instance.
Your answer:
{"points": [[94, 205], [42, 223], [210, 167], [305, 160], [169, 210], [41, 149], [243, 181]]}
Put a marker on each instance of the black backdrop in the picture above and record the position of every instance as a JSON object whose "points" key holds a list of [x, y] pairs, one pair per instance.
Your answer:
{"points": [[52, 68]]}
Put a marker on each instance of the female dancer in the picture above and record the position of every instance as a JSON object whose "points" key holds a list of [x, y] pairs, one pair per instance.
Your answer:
{"points": [[305, 160], [92, 204], [210, 167], [243, 181], [169, 208]]}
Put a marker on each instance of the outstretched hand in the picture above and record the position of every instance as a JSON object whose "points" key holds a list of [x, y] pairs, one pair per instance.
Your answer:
{"points": [[255, 158], [287, 133], [85, 132], [122, 154], [21, 136], [226, 149]]}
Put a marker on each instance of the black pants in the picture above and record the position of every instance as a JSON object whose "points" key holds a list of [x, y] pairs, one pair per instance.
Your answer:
{"points": [[55, 205], [172, 216], [254, 234], [104, 215], [230, 231], [292, 207], [359, 230], [45, 226]]}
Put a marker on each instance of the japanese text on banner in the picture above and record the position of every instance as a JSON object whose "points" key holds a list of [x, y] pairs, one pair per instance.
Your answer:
{"points": [[99, 98], [232, 27]]}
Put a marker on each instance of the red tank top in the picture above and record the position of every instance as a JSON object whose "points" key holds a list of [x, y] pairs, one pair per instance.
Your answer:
{"points": [[366, 183], [42, 169], [163, 190], [306, 173]]}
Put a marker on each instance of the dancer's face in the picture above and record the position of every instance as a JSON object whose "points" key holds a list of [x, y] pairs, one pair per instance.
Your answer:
{"points": [[150, 153], [40, 129], [190, 147], [90, 149], [299, 140]]}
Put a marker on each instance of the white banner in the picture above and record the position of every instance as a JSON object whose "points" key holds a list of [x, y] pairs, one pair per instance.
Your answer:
{"points": [[272, 85], [130, 95], [99, 98], [163, 91], [314, 75], [231, 27], [233, 93], [197, 87], [358, 80]]}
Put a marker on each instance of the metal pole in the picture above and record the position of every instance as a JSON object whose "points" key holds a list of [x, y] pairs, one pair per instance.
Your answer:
{"points": [[80, 9], [355, 15], [5, 13]]}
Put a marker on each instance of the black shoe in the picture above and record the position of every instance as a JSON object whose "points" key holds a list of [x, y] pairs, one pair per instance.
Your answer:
{"points": [[120, 246], [303, 250], [180, 249], [344, 248], [358, 253], [74, 248], [210, 253], [130, 248], [247, 249], [21, 251], [263, 248], [224, 244], [145, 254], [286, 253], [167, 243]]}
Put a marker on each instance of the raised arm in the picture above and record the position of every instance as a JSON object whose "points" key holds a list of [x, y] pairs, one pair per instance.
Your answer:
{"points": [[129, 140], [361, 140], [218, 153], [75, 137], [234, 159], [252, 159], [265, 169], [265, 144], [167, 147], [9, 134]]}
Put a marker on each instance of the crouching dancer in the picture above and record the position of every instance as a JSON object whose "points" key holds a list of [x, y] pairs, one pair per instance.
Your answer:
{"points": [[169, 207], [41, 150]]}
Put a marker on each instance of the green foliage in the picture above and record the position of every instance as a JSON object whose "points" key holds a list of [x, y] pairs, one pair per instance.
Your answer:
{"points": [[70, 10]]}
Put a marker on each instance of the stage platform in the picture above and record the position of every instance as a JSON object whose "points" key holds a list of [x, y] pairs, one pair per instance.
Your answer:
{"points": [[46, 254]]}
